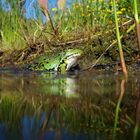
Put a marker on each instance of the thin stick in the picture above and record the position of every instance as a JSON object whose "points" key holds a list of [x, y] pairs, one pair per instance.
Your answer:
{"points": [[114, 42]]}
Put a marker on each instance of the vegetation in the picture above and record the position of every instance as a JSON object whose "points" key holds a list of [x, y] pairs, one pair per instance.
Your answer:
{"points": [[107, 31], [87, 24]]}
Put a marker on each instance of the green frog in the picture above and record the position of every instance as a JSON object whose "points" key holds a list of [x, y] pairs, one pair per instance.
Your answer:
{"points": [[62, 62]]}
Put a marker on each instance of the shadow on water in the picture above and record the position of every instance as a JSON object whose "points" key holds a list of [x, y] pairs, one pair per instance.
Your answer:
{"points": [[95, 105]]}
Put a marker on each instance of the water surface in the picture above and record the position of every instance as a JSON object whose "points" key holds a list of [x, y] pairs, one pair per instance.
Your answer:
{"points": [[90, 105]]}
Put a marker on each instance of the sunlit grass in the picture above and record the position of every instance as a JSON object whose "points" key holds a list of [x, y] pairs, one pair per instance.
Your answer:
{"points": [[15, 30], [80, 14], [81, 22]]}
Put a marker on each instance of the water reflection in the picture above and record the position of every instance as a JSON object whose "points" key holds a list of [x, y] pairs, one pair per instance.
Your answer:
{"points": [[85, 105], [49, 84], [31, 130]]}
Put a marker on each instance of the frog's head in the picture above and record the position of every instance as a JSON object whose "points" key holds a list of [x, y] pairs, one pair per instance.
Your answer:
{"points": [[71, 57]]}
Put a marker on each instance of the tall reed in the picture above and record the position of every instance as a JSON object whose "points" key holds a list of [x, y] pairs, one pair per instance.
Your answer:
{"points": [[137, 21], [119, 40]]}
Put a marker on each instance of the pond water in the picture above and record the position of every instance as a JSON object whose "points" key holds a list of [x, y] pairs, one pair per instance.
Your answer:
{"points": [[89, 105]]}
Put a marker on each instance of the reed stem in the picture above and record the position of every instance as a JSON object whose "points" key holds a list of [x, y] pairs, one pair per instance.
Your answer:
{"points": [[137, 22], [119, 41]]}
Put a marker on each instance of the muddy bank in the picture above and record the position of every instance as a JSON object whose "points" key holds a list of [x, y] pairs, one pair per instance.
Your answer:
{"points": [[98, 50]]}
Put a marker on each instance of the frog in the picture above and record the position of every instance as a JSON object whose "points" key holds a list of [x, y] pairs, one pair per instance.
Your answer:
{"points": [[62, 62]]}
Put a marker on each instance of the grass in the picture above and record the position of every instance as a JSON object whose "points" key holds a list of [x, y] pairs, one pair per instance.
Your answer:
{"points": [[81, 14], [9, 28], [88, 25]]}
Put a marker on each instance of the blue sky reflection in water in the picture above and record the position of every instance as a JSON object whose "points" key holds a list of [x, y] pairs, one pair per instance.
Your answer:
{"points": [[31, 131]]}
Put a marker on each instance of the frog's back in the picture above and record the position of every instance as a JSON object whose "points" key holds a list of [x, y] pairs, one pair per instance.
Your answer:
{"points": [[43, 63]]}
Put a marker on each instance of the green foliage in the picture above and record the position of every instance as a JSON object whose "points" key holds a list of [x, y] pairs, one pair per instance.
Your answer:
{"points": [[9, 26], [16, 31]]}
